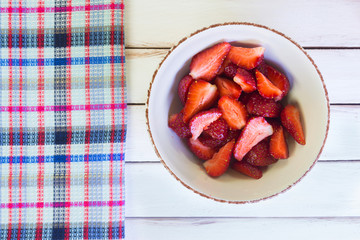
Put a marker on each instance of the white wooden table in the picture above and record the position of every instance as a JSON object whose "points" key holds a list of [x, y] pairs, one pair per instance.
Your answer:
{"points": [[326, 203]]}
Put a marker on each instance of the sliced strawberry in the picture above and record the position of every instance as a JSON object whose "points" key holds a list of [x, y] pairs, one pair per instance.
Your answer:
{"points": [[255, 131], [230, 70], [219, 163], [278, 147], [218, 129], [201, 96], [234, 112], [266, 88], [244, 98], [206, 64], [225, 63], [259, 155], [245, 79], [183, 88], [202, 120], [247, 169], [200, 150], [228, 87], [290, 119], [259, 106], [247, 58], [177, 124], [276, 77], [216, 143]]}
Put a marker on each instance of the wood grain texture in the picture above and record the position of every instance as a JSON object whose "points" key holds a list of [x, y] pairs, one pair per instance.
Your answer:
{"points": [[310, 23], [342, 143], [331, 189], [239, 228], [338, 67]]}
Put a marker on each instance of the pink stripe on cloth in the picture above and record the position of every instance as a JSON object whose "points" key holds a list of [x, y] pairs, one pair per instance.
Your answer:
{"points": [[60, 9]]}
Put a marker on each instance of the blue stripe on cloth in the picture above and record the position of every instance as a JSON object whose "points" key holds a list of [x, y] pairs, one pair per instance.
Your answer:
{"points": [[61, 61]]}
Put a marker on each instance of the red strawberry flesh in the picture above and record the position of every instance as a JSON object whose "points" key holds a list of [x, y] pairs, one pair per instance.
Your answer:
{"points": [[230, 70], [200, 150], [202, 120], [259, 106], [255, 131], [201, 96], [183, 88], [259, 155], [266, 88], [234, 112], [177, 124], [245, 79], [206, 64], [247, 169], [217, 129], [247, 58], [220, 161], [290, 119], [278, 146], [228, 87]]}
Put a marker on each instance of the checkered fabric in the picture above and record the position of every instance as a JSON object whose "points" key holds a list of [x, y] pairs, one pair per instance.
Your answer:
{"points": [[63, 119]]}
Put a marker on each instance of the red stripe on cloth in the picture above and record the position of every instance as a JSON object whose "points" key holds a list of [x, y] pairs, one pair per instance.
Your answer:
{"points": [[11, 137], [41, 128], [88, 118], [59, 9], [68, 123]]}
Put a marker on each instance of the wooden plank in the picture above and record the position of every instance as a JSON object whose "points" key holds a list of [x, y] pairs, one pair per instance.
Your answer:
{"points": [[310, 23], [342, 143], [248, 228], [338, 67], [331, 189]]}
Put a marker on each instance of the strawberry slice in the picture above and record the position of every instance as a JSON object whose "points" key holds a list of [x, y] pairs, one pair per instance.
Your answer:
{"points": [[224, 65], [234, 112], [202, 120], [230, 70], [247, 169], [266, 88], [218, 129], [200, 150], [183, 88], [220, 162], [245, 79], [228, 87], [247, 58], [255, 131], [278, 147], [216, 143], [276, 77], [259, 106], [206, 64], [259, 155], [177, 124], [201, 96], [290, 119]]}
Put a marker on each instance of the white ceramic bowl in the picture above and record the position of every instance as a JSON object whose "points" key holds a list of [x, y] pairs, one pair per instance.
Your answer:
{"points": [[308, 92]]}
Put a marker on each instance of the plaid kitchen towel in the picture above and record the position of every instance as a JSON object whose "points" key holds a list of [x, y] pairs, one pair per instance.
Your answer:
{"points": [[63, 119]]}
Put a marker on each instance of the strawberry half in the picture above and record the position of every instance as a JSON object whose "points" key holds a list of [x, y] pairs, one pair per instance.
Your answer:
{"points": [[230, 70], [216, 143], [183, 88], [255, 131], [234, 112], [202, 120], [228, 87], [225, 63], [245, 79], [201, 96], [218, 129], [290, 119], [220, 162], [278, 147], [276, 77], [259, 155], [247, 169], [266, 88], [200, 150], [259, 106], [206, 64], [247, 58], [177, 124]]}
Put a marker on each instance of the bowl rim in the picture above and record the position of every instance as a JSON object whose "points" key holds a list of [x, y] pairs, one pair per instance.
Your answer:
{"points": [[219, 25]]}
